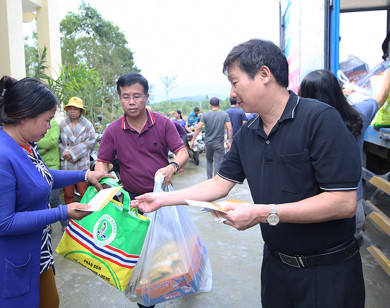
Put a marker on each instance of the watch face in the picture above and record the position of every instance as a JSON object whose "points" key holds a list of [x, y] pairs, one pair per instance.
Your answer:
{"points": [[273, 219]]}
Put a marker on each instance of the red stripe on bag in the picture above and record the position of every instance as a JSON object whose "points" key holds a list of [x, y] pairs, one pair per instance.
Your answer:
{"points": [[77, 231], [89, 234], [95, 253]]}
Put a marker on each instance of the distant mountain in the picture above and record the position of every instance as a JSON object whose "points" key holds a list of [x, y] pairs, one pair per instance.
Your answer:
{"points": [[197, 98]]}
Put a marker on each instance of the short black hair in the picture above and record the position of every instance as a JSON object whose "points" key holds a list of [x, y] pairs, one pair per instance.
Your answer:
{"points": [[214, 101], [250, 56], [130, 79]]}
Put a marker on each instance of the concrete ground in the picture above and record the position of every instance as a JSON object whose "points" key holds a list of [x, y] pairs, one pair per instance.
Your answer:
{"points": [[235, 258]]}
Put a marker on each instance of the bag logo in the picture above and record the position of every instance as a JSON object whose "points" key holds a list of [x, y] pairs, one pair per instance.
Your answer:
{"points": [[104, 231]]}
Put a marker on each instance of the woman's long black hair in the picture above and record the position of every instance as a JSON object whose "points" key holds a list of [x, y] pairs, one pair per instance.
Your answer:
{"points": [[324, 86]]}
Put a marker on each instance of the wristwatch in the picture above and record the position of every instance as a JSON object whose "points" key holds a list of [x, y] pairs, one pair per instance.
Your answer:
{"points": [[176, 165], [273, 218]]}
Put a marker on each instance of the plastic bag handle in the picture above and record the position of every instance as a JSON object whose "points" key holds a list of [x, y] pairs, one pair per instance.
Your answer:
{"points": [[158, 184], [344, 79], [158, 180]]}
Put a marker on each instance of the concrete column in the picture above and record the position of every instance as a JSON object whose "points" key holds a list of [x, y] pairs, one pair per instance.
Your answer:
{"points": [[48, 29], [12, 60]]}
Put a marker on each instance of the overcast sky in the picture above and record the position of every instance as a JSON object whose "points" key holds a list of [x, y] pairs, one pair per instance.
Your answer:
{"points": [[191, 38], [187, 38]]}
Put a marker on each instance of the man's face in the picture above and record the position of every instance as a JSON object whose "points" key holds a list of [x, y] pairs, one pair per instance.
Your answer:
{"points": [[133, 100], [245, 90], [196, 113]]}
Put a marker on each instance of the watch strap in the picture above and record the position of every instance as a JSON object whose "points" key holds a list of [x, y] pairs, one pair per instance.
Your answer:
{"points": [[272, 209], [176, 165]]}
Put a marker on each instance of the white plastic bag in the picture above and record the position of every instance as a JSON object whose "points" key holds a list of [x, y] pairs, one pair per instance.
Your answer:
{"points": [[378, 69], [359, 94], [360, 88], [354, 68], [174, 260]]}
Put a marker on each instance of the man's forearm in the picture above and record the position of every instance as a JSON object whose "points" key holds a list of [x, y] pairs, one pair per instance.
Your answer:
{"points": [[196, 133], [320, 208], [323, 207], [230, 135], [100, 166], [209, 190], [181, 157]]}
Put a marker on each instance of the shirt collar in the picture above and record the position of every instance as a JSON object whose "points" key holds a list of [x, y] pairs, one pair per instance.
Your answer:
{"points": [[151, 120], [288, 112]]}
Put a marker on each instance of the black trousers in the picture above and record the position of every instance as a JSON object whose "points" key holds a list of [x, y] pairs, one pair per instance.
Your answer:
{"points": [[338, 286]]}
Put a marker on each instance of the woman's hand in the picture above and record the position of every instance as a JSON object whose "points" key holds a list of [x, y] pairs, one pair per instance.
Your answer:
{"points": [[76, 214], [94, 178], [147, 203]]}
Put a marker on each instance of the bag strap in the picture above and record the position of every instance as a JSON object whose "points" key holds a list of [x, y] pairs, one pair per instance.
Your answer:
{"points": [[126, 196], [126, 201]]}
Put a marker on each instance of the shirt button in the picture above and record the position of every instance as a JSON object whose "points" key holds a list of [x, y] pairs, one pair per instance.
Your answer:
{"points": [[267, 142]]}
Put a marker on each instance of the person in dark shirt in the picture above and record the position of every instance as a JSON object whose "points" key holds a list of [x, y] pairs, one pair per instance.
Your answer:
{"points": [[303, 175], [324, 86], [237, 115], [182, 132]]}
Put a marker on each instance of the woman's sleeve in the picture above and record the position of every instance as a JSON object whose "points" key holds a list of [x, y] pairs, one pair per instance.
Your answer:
{"points": [[13, 222], [63, 178]]}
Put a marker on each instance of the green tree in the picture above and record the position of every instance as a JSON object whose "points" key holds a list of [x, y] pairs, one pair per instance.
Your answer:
{"points": [[225, 104], [79, 81], [88, 39], [167, 107], [41, 65]]}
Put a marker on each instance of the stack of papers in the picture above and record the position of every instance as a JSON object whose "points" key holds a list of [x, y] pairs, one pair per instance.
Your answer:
{"points": [[211, 207], [101, 199]]}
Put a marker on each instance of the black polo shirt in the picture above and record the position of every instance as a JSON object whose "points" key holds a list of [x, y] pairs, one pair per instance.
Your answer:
{"points": [[308, 151]]}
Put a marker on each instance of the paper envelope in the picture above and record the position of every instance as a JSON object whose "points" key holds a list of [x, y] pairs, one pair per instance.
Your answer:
{"points": [[214, 208], [206, 205], [101, 199]]}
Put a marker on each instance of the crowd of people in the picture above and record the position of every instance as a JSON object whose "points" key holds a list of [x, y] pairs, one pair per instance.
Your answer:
{"points": [[304, 175]]}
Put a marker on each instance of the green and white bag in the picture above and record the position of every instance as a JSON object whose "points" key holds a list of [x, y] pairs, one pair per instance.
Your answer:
{"points": [[107, 242]]}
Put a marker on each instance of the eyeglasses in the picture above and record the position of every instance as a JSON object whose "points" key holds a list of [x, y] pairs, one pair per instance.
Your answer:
{"points": [[137, 98]]}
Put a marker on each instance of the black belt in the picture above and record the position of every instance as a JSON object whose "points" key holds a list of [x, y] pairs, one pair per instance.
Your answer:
{"points": [[333, 255]]}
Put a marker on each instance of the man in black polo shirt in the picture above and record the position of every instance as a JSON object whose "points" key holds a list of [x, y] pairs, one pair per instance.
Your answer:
{"points": [[302, 166]]}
